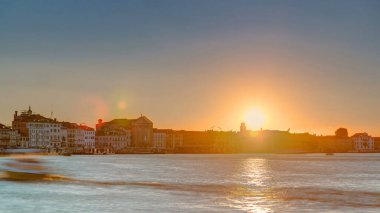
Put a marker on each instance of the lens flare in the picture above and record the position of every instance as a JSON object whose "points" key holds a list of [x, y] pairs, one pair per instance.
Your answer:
{"points": [[122, 105]]}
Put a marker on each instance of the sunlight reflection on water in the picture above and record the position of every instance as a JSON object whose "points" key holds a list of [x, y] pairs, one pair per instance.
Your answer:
{"points": [[255, 196], [256, 171]]}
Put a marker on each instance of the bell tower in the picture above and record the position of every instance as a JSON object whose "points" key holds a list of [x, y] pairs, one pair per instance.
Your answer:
{"points": [[29, 111], [243, 128]]}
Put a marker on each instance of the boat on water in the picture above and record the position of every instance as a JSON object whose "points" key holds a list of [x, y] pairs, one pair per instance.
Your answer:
{"points": [[25, 169], [329, 153], [66, 154]]}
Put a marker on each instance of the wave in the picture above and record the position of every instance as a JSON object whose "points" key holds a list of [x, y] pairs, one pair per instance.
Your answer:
{"points": [[337, 197]]}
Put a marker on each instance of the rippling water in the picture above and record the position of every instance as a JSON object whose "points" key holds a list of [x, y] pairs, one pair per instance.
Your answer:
{"points": [[202, 183]]}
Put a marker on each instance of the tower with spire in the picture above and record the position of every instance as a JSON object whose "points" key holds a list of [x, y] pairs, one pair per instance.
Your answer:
{"points": [[29, 111]]}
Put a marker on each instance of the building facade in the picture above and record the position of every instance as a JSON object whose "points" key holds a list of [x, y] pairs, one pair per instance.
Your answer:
{"points": [[45, 135], [159, 140], [37, 131], [142, 132], [78, 138], [88, 137], [9, 138], [363, 142], [124, 135]]}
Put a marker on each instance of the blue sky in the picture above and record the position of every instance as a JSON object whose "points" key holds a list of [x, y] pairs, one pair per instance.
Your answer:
{"points": [[309, 65]]}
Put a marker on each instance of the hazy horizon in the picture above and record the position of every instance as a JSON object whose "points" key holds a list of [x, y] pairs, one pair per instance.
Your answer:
{"points": [[311, 66]]}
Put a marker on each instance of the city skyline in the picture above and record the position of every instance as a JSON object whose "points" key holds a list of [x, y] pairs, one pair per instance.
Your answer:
{"points": [[308, 66], [245, 125]]}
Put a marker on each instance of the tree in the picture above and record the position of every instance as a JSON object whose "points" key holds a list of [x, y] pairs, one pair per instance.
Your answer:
{"points": [[341, 133]]}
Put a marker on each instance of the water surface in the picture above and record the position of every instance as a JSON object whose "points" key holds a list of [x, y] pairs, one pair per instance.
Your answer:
{"points": [[202, 183]]}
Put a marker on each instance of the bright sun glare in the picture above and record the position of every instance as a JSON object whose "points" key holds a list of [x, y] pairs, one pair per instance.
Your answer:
{"points": [[254, 119]]}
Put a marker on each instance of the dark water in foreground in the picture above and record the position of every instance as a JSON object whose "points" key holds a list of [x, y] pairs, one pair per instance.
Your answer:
{"points": [[202, 183]]}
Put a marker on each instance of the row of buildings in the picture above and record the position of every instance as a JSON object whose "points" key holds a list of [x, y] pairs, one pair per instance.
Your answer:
{"points": [[138, 135], [275, 141], [30, 130]]}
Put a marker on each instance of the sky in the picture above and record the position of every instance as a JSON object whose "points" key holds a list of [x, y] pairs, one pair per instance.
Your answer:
{"points": [[307, 66]]}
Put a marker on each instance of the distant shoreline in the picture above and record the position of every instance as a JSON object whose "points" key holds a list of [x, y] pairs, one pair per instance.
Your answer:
{"points": [[13, 152]]}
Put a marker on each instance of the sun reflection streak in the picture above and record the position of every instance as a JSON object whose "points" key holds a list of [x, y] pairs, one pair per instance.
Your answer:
{"points": [[256, 196], [256, 172]]}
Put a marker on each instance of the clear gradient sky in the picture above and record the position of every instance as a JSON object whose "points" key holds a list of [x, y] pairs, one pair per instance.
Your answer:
{"points": [[311, 66]]}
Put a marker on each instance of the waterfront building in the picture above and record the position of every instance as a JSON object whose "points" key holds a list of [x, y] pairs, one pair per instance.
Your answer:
{"points": [[37, 131], [21, 120], [197, 142], [226, 141], [174, 139], [88, 138], [363, 142], [340, 142], [167, 139], [159, 140], [181, 141], [45, 135], [64, 144], [68, 134], [125, 135], [142, 132], [285, 142], [78, 138], [9, 138], [39, 134], [24, 142], [333, 143], [116, 140], [377, 143]]}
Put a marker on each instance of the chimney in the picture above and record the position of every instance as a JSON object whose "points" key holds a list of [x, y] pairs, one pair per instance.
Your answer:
{"points": [[100, 121], [15, 114]]}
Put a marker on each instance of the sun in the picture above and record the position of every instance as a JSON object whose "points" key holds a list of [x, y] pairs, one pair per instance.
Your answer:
{"points": [[254, 119]]}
